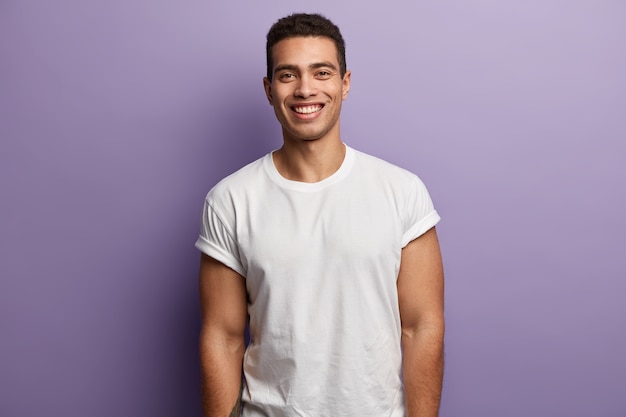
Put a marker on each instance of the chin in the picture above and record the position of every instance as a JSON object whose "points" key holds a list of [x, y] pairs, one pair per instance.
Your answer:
{"points": [[305, 138]]}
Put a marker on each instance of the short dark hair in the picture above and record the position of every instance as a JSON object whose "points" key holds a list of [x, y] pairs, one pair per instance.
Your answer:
{"points": [[303, 24]]}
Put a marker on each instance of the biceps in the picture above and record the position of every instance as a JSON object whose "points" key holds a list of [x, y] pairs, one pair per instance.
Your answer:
{"points": [[420, 283], [223, 299]]}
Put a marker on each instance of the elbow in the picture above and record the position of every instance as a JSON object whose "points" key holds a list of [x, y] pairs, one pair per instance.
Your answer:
{"points": [[432, 329], [225, 342]]}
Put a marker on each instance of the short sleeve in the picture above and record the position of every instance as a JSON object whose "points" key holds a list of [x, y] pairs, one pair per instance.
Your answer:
{"points": [[216, 240], [420, 214]]}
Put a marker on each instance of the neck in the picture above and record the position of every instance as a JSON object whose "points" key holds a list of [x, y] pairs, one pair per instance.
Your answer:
{"points": [[309, 161]]}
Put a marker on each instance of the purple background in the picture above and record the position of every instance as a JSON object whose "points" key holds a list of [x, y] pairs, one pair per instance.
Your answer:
{"points": [[117, 116]]}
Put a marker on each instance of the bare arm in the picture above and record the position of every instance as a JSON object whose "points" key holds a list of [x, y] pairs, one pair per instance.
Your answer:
{"points": [[420, 293], [222, 342]]}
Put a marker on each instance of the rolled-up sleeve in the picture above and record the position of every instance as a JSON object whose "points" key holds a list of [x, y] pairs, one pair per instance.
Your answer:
{"points": [[420, 214], [217, 240]]}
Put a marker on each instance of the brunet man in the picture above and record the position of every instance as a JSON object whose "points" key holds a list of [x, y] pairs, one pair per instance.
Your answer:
{"points": [[329, 253]]}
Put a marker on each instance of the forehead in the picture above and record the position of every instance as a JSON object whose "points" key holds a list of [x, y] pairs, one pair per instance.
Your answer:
{"points": [[304, 50]]}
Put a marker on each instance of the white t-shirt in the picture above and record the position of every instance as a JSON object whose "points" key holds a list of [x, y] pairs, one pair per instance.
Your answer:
{"points": [[321, 262]]}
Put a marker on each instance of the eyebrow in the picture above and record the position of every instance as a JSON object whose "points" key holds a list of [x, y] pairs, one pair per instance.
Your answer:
{"points": [[316, 65]]}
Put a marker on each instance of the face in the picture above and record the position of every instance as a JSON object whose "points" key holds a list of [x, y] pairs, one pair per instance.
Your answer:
{"points": [[307, 89]]}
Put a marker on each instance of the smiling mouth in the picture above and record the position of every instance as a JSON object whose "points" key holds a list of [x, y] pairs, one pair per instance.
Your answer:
{"points": [[307, 109]]}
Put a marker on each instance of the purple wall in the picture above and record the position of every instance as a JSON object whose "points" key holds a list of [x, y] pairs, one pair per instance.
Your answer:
{"points": [[116, 117]]}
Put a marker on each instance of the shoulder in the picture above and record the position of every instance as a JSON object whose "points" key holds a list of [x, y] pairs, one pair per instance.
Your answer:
{"points": [[230, 195], [238, 182], [384, 171], [401, 186]]}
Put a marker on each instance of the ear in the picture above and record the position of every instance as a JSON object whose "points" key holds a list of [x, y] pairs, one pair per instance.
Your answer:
{"points": [[267, 85], [346, 85]]}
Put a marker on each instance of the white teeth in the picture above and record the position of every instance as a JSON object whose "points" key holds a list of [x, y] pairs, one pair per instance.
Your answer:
{"points": [[307, 109]]}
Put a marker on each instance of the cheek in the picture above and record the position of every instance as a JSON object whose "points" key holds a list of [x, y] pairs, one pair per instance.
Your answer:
{"points": [[279, 90]]}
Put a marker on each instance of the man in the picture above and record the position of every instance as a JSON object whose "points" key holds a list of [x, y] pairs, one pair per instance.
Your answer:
{"points": [[329, 254]]}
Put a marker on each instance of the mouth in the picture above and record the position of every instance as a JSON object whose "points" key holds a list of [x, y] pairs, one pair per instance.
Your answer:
{"points": [[309, 109]]}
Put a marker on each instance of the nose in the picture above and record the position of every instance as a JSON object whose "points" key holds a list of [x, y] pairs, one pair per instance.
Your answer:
{"points": [[306, 87]]}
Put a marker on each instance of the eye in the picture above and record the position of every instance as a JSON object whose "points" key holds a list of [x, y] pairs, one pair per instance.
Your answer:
{"points": [[287, 76], [324, 74]]}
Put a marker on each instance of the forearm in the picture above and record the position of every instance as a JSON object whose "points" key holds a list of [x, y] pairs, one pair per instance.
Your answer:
{"points": [[221, 361], [423, 370]]}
